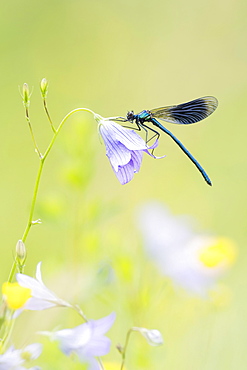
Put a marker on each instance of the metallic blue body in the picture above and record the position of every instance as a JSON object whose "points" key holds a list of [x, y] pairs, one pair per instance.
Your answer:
{"points": [[185, 113], [146, 116], [196, 163]]}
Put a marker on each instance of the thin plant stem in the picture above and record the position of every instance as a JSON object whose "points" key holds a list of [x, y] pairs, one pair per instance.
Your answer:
{"points": [[37, 182], [100, 363], [61, 125], [48, 116], [8, 333], [80, 312], [35, 193], [125, 348], [32, 134]]}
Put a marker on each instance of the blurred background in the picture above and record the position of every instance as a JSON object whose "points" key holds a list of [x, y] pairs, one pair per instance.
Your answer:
{"points": [[114, 56]]}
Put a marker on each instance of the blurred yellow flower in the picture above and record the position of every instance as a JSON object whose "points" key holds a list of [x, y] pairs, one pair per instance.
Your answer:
{"points": [[15, 295], [222, 251]]}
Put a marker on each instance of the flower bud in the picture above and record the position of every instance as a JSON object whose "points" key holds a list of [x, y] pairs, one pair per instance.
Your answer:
{"points": [[21, 253], [44, 87], [153, 337], [26, 95], [120, 348]]}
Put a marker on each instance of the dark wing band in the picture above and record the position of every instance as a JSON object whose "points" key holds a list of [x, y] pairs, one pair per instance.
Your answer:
{"points": [[187, 113]]}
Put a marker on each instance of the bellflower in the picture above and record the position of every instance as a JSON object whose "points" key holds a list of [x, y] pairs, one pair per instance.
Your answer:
{"points": [[13, 359], [39, 297], [192, 261], [124, 148], [86, 340]]}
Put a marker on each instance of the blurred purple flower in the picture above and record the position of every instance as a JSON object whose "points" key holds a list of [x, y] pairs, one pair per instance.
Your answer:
{"points": [[191, 260], [124, 148], [86, 340]]}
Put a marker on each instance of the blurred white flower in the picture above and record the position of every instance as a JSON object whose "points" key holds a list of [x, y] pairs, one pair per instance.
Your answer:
{"points": [[193, 261], [41, 297], [13, 359], [86, 340]]}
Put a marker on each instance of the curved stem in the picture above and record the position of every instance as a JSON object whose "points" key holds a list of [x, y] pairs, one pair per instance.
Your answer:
{"points": [[37, 182], [61, 125]]}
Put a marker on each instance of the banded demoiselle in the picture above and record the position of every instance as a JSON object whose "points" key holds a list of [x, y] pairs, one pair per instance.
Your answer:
{"points": [[185, 114]]}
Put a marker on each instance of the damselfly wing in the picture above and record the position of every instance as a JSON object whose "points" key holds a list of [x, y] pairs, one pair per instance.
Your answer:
{"points": [[187, 113]]}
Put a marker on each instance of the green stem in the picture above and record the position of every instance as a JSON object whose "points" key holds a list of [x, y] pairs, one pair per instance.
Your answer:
{"points": [[37, 182], [61, 125], [80, 312], [125, 348], [100, 363], [8, 332], [32, 134], [48, 115], [35, 192]]}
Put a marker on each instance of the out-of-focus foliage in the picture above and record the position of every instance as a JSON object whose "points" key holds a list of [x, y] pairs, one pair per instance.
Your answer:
{"points": [[114, 56]]}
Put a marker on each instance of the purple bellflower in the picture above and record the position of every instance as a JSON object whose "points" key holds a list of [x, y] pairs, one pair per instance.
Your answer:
{"points": [[124, 148], [86, 340]]}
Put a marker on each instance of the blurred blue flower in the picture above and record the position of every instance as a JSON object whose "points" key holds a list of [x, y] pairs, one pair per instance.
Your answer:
{"points": [[13, 359], [124, 148], [86, 340]]}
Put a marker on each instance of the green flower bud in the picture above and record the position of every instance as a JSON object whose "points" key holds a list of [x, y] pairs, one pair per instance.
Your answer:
{"points": [[26, 95], [44, 87], [21, 253]]}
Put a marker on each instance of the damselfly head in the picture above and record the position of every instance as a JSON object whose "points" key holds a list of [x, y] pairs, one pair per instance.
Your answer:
{"points": [[130, 116]]}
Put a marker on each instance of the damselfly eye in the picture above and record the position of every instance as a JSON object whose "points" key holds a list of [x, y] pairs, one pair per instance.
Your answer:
{"points": [[130, 116]]}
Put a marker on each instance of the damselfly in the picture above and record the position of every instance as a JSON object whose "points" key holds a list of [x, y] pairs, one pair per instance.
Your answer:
{"points": [[185, 114]]}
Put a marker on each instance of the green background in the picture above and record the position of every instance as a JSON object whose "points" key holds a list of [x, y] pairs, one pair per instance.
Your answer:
{"points": [[114, 56]]}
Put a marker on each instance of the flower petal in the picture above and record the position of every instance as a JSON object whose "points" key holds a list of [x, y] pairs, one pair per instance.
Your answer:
{"points": [[125, 174], [38, 273], [36, 304], [34, 350], [101, 326], [153, 147], [74, 339], [117, 153], [39, 292], [93, 364], [127, 137], [136, 157], [96, 347]]}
